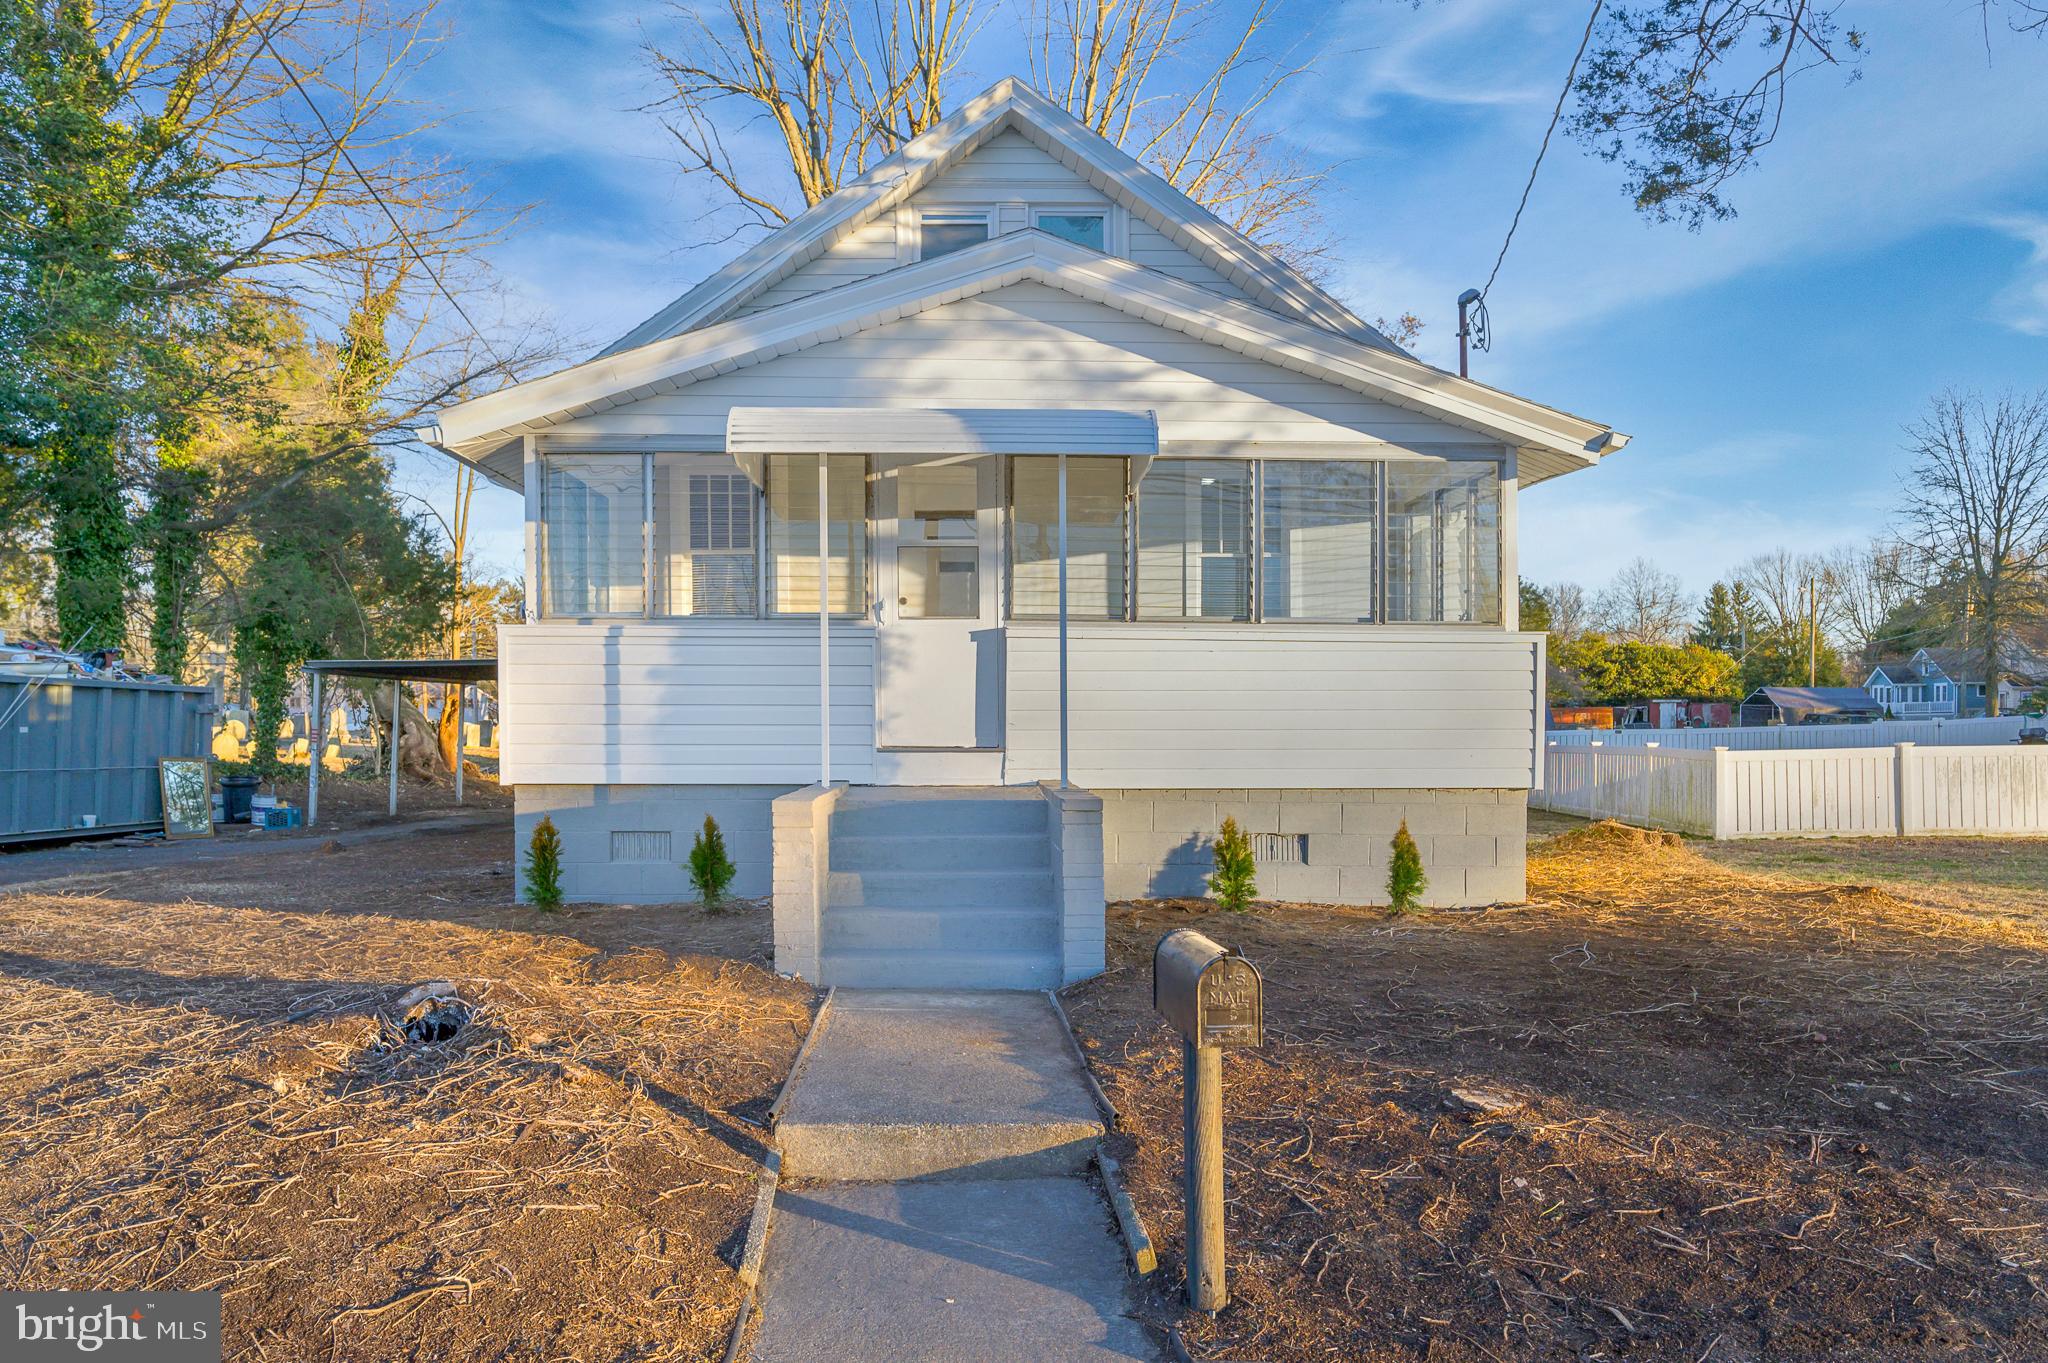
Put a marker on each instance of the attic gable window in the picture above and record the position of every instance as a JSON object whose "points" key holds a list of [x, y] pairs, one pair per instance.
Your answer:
{"points": [[1083, 229], [944, 233]]}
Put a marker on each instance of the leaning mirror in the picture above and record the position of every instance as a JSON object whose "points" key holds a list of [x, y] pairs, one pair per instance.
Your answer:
{"points": [[188, 805]]}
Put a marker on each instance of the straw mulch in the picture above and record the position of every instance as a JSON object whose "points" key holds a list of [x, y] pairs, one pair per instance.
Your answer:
{"points": [[1665, 1111], [204, 1097]]}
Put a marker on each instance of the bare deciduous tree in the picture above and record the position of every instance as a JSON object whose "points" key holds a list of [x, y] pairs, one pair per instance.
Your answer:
{"points": [[1570, 616], [1870, 584], [840, 88], [1977, 496], [1183, 86], [1645, 605]]}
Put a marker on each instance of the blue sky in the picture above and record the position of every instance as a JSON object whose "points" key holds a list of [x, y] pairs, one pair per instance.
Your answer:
{"points": [[1894, 242]]}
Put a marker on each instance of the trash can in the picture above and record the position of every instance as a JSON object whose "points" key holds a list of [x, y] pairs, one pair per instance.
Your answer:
{"points": [[236, 792]]}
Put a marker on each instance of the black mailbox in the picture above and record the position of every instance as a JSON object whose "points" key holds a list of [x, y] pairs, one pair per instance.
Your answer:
{"points": [[1211, 995]]}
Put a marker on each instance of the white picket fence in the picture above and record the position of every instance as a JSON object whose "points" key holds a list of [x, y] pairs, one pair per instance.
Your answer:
{"points": [[1883, 733], [1901, 790]]}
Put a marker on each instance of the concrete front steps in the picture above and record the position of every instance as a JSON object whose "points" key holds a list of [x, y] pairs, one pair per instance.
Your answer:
{"points": [[940, 888]]}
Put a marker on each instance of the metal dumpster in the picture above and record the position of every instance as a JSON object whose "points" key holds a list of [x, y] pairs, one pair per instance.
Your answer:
{"points": [[77, 746]]}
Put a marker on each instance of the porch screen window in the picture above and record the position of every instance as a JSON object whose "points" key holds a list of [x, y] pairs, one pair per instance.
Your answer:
{"points": [[1098, 512], [1316, 527], [1194, 540], [1443, 542], [793, 534], [704, 537], [591, 513]]}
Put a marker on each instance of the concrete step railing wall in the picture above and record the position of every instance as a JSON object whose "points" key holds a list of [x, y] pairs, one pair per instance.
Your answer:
{"points": [[1933, 732], [1901, 790]]}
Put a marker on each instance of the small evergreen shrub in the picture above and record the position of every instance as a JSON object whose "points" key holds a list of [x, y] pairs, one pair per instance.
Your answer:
{"points": [[1235, 880], [1405, 880], [711, 870], [544, 867]]}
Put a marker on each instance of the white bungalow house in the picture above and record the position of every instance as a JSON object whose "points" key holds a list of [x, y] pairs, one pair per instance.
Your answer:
{"points": [[1127, 527]]}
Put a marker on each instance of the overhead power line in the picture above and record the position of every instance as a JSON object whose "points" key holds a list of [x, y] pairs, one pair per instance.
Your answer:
{"points": [[1555, 114]]}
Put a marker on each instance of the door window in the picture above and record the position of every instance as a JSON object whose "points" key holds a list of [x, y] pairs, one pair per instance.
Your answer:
{"points": [[938, 543]]}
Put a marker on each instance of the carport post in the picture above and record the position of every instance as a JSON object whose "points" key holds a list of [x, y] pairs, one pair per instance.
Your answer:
{"points": [[314, 725], [396, 722], [461, 704]]}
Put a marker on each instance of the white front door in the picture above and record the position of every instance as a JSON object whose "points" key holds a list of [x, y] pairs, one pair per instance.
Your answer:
{"points": [[938, 645]]}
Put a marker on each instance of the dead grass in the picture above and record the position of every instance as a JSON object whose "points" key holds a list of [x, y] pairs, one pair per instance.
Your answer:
{"points": [[1667, 1111], [195, 1097]]}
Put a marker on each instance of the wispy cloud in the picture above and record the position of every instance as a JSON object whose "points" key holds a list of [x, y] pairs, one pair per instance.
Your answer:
{"points": [[2023, 304]]}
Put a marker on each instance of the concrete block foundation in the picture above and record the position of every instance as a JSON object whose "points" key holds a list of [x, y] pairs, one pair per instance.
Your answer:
{"points": [[628, 844], [1325, 846]]}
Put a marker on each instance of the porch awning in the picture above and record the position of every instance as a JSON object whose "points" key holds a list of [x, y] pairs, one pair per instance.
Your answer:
{"points": [[751, 433]]}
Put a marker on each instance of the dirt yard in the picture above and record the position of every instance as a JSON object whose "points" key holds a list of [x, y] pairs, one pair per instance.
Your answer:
{"points": [[1671, 1110], [200, 1092]]}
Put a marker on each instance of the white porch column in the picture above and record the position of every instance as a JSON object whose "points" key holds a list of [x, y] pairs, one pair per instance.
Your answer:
{"points": [[824, 630], [1063, 618], [316, 725]]}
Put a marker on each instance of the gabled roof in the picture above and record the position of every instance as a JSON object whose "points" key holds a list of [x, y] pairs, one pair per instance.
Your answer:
{"points": [[486, 428], [1009, 103]]}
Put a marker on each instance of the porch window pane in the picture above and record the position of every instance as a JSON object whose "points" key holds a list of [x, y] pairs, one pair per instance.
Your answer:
{"points": [[704, 551], [1194, 539], [1443, 542], [1317, 520], [793, 534], [1097, 511], [591, 512]]}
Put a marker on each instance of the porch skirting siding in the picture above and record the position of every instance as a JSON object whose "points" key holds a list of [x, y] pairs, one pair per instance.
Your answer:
{"points": [[613, 837], [1159, 843]]}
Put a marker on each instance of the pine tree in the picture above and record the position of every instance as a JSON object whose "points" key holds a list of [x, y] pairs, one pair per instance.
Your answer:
{"points": [[711, 870], [1235, 880], [1405, 880], [544, 867]]}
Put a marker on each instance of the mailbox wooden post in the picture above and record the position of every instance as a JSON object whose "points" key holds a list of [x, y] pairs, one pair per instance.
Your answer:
{"points": [[1214, 998]]}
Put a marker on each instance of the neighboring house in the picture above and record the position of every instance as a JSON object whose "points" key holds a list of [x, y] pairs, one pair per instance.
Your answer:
{"points": [[1283, 587], [1810, 705], [1934, 683]]}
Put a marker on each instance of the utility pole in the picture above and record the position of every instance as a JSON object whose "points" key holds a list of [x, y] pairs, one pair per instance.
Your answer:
{"points": [[1812, 630]]}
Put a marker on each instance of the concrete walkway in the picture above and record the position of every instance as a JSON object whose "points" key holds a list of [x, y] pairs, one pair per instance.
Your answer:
{"points": [[936, 1203]]}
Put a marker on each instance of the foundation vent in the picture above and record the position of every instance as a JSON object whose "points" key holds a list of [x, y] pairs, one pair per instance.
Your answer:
{"points": [[1280, 849], [640, 845]]}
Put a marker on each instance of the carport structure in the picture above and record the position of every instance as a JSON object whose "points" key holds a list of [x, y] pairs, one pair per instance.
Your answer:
{"points": [[461, 673]]}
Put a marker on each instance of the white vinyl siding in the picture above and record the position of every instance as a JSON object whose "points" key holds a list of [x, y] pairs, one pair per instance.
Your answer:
{"points": [[867, 250], [1207, 706], [1098, 505], [683, 702], [592, 536]]}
